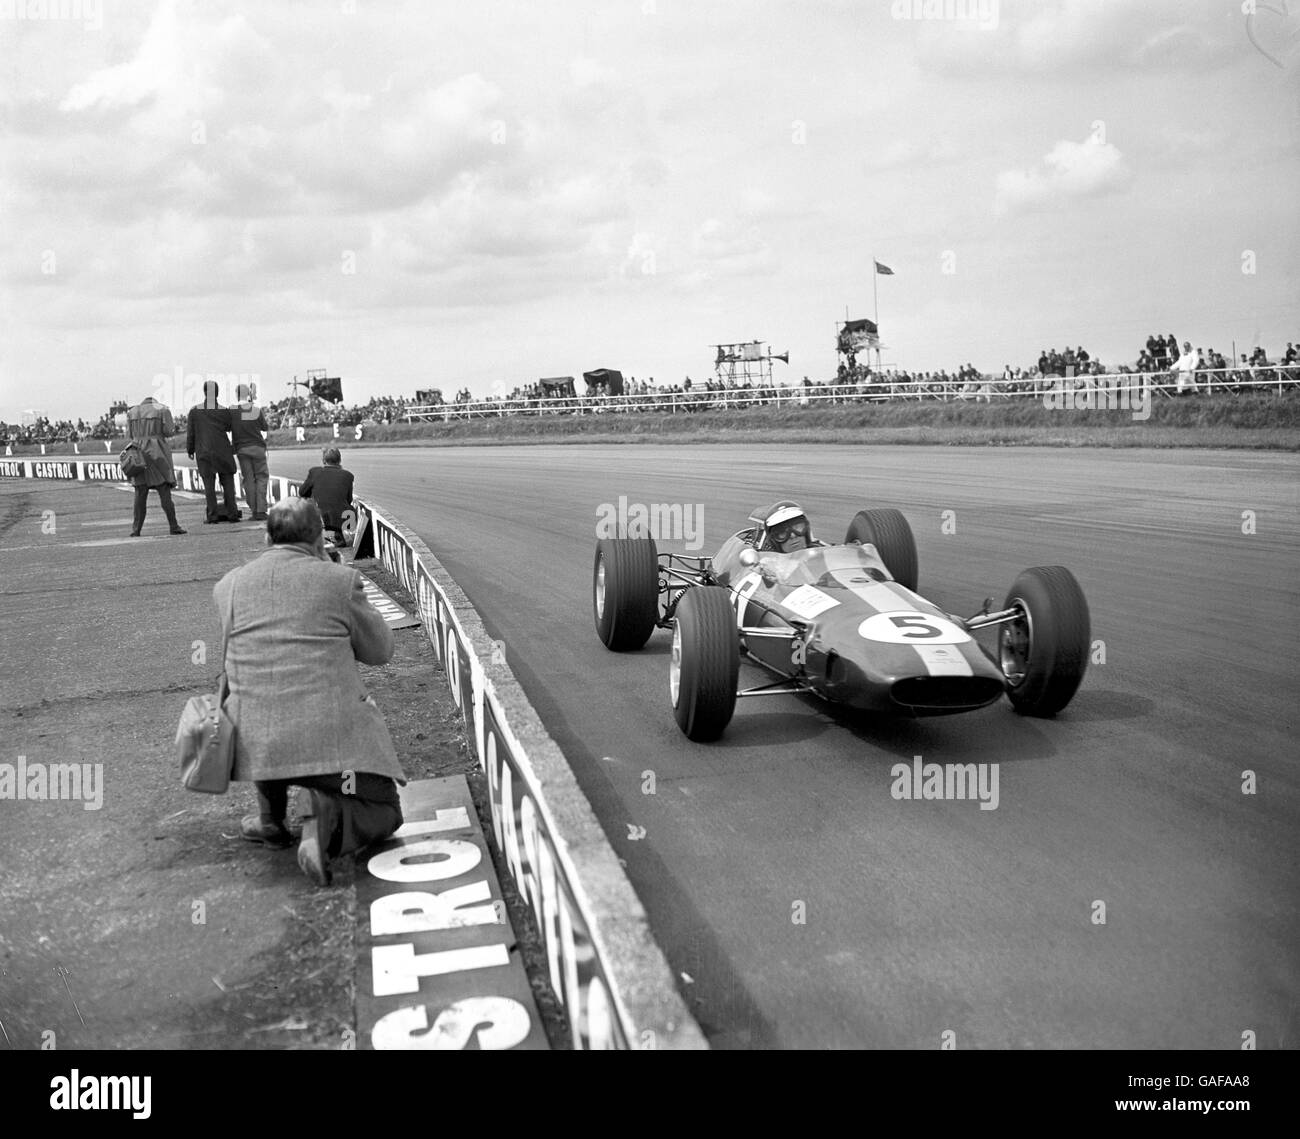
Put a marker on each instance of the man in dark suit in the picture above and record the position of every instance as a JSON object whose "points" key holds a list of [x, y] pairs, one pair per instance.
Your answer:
{"points": [[296, 627], [331, 487], [207, 443]]}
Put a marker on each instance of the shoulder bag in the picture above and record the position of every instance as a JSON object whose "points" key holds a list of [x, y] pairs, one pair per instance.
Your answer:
{"points": [[205, 738], [132, 460]]}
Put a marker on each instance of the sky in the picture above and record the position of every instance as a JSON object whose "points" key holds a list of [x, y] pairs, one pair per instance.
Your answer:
{"points": [[452, 194]]}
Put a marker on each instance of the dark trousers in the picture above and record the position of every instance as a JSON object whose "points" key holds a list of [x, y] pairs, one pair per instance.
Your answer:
{"points": [[210, 475], [142, 503], [371, 813]]}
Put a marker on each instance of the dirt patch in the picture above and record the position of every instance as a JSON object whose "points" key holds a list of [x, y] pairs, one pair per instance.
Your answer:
{"points": [[301, 993], [15, 507]]}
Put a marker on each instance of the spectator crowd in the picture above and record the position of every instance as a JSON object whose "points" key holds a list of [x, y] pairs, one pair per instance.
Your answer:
{"points": [[1175, 370], [44, 430]]}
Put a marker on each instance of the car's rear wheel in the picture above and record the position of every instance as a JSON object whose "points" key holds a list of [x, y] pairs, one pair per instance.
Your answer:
{"points": [[625, 592], [887, 530], [705, 665], [1043, 653]]}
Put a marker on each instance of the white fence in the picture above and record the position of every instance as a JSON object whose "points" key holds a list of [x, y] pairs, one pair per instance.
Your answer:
{"points": [[1227, 381]]}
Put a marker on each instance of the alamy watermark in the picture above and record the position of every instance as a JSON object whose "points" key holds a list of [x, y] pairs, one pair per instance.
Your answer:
{"points": [[946, 781], [1130, 393], [75, 1092], [89, 13], [73, 782], [981, 14], [662, 521], [181, 390]]}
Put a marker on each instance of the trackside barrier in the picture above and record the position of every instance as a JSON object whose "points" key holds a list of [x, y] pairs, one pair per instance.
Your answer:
{"points": [[107, 470], [605, 967]]}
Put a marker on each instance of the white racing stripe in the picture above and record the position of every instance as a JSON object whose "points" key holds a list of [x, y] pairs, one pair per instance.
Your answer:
{"points": [[845, 567], [943, 660]]}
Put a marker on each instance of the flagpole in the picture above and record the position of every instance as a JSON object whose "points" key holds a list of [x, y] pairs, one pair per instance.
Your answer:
{"points": [[875, 294], [875, 305]]}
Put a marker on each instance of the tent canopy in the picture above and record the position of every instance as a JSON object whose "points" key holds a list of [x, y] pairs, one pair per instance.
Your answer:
{"points": [[327, 388], [609, 378], [557, 385]]}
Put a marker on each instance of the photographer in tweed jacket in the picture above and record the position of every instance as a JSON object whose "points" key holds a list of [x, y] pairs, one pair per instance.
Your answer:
{"points": [[302, 716]]}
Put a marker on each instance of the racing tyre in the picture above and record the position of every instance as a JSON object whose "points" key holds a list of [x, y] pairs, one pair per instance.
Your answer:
{"points": [[1043, 654], [705, 665], [888, 531], [625, 592]]}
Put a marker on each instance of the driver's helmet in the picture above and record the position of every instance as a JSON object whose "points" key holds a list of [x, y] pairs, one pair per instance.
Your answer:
{"points": [[785, 527]]}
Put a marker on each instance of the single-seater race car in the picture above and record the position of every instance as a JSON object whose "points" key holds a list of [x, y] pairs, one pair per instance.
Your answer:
{"points": [[842, 621]]}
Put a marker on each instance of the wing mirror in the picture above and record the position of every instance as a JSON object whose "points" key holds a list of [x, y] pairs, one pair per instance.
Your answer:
{"points": [[750, 560]]}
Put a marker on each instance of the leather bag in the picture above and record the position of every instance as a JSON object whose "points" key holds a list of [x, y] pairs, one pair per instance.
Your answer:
{"points": [[205, 737], [132, 461]]}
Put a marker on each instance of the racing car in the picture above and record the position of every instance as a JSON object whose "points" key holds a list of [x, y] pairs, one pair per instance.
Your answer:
{"points": [[841, 621]]}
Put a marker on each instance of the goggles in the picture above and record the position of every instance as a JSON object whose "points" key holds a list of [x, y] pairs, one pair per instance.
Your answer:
{"points": [[783, 530]]}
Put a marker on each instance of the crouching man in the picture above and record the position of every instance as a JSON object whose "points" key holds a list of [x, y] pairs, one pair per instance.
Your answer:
{"points": [[332, 488], [296, 627]]}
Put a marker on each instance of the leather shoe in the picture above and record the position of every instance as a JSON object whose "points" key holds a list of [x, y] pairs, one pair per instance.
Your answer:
{"points": [[317, 831], [135, 533], [268, 834], [179, 530]]}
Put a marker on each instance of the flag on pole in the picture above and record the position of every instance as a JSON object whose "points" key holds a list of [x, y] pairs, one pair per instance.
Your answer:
{"points": [[884, 270]]}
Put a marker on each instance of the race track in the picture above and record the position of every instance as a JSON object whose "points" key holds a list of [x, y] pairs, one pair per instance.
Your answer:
{"points": [[928, 917]]}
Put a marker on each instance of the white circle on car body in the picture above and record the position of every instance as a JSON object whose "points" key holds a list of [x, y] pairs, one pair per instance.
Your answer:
{"points": [[908, 627]]}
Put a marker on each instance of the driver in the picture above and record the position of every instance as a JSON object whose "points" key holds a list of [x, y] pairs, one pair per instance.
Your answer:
{"points": [[787, 529]]}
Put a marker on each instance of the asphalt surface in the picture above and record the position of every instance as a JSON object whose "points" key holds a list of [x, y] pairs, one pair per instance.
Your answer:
{"points": [[933, 917]]}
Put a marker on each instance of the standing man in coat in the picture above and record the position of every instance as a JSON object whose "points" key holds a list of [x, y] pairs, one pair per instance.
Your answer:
{"points": [[151, 425], [207, 444], [296, 627], [249, 438]]}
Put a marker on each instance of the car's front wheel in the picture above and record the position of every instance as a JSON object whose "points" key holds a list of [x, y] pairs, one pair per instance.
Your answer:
{"points": [[1043, 653], [887, 530], [625, 592], [705, 665]]}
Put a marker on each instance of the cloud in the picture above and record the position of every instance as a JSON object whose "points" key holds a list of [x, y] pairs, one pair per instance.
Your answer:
{"points": [[589, 72], [642, 257], [733, 246], [211, 173], [1102, 35], [180, 68], [1070, 170], [224, 153], [904, 153], [716, 240]]}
